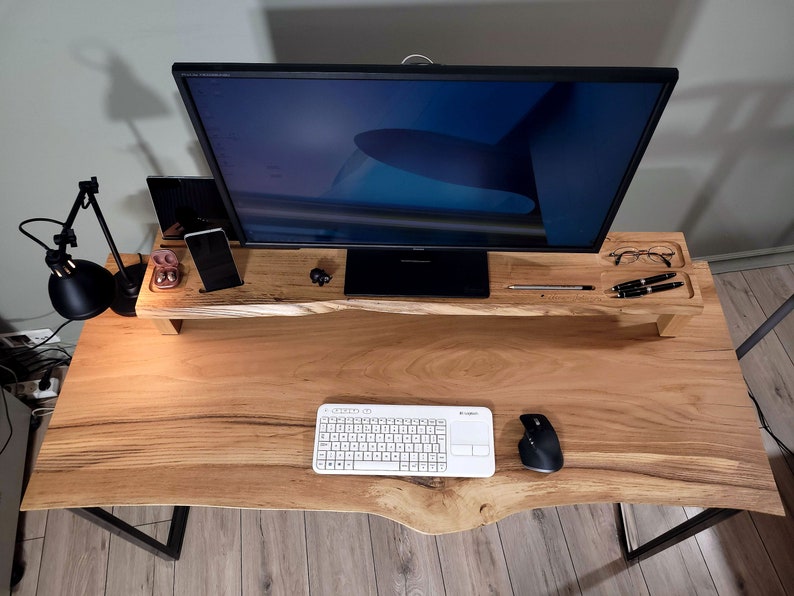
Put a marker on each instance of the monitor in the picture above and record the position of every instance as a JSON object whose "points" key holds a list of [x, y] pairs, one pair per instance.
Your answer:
{"points": [[420, 170]]}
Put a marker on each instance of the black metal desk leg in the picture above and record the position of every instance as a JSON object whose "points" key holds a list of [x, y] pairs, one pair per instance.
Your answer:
{"points": [[702, 521], [169, 551]]}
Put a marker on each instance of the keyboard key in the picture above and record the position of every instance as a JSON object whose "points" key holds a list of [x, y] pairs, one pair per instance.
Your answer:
{"points": [[380, 465], [460, 449]]}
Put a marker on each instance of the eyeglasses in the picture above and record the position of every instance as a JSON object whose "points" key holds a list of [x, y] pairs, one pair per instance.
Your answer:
{"points": [[629, 254]]}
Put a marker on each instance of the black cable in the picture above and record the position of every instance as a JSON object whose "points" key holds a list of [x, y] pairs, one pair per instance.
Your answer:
{"points": [[8, 416], [46, 381], [764, 425], [50, 363], [28, 359], [31, 236]]}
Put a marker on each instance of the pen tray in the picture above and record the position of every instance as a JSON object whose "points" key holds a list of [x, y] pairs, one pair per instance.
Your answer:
{"points": [[613, 278]]}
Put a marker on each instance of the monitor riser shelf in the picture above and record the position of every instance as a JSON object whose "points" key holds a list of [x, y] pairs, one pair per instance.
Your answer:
{"points": [[277, 283]]}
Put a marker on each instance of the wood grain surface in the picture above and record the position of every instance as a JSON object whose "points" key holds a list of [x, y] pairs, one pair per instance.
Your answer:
{"points": [[277, 283], [223, 414]]}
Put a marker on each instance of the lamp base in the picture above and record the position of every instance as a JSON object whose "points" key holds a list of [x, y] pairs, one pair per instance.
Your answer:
{"points": [[126, 297]]}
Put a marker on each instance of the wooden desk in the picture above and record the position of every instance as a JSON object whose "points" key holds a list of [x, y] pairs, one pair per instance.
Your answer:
{"points": [[223, 414]]}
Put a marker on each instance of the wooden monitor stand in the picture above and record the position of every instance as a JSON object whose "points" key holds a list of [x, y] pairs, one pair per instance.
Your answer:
{"points": [[277, 283]]}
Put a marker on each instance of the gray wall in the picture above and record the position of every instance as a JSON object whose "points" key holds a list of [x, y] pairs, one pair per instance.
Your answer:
{"points": [[86, 90]]}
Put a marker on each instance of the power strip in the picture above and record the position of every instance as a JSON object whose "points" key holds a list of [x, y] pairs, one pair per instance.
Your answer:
{"points": [[28, 339], [30, 389]]}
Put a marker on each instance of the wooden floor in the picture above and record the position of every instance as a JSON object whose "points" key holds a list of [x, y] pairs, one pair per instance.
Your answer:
{"points": [[563, 550]]}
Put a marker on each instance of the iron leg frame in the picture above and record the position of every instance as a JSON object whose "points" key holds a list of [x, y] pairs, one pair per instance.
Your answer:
{"points": [[169, 551], [708, 517], [702, 521]]}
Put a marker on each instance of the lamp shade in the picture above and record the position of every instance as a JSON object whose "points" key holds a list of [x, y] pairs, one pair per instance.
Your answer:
{"points": [[86, 291]]}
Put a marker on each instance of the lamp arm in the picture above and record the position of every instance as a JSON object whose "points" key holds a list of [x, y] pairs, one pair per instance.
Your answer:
{"points": [[86, 197], [94, 187], [57, 256]]}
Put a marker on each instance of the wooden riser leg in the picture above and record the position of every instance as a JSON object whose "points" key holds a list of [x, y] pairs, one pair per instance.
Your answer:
{"points": [[671, 325], [168, 326]]}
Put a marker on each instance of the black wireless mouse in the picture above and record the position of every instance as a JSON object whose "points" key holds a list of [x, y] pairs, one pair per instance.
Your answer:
{"points": [[539, 448]]}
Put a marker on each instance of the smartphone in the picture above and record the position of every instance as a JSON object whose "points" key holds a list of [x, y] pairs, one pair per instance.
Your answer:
{"points": [[213, 259]]}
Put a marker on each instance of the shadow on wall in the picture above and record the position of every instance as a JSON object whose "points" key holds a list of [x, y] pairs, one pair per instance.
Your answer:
{"points": [[575, 33], [127, 98], [193, 147], [738, 121]]}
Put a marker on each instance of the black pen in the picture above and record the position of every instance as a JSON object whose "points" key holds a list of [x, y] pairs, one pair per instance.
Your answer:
{"points": [[637, 292], [636, 283]]}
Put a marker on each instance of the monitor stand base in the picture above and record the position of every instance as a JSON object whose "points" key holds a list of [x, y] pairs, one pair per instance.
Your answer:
{"points": [[417, 273]]}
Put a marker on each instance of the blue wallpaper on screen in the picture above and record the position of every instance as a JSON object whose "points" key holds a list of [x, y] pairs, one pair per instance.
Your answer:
{"points": [[422, 162]]}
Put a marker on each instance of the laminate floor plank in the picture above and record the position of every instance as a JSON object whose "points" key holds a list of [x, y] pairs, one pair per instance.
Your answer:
{"points": [[473, 562], [340, 554], [777, 533], [743, 314], [133, 571], [736, 557], [29, 554], [274, 553], [767, 367], [31, 524], [691, 574], [771, 287], [211, 560], [74, 557], [144, 516], [591, 534], [536, 553], [406, 562], [164, 571]]}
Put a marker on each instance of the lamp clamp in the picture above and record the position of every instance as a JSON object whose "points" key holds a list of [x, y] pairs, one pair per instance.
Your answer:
{"points": [[89, 186], [67, 236]]}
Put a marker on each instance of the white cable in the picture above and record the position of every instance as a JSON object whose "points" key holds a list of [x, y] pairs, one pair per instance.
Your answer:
{"points": [[422, 56]]}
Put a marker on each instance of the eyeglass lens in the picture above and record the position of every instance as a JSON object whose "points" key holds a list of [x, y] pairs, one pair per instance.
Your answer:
{"points": [[629, 254]]}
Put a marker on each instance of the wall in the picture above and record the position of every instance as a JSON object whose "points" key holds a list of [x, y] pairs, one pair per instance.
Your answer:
{"points": [[86, 90]]}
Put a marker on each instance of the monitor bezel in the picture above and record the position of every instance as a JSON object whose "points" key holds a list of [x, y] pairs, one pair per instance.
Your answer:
{"points": [[666, 77]]}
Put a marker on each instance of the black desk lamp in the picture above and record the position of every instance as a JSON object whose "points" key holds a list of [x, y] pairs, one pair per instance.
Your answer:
{"points": [[81, 289]]}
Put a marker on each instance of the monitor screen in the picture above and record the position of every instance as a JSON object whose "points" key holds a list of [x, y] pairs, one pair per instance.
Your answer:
{"points": [[423, 156]]}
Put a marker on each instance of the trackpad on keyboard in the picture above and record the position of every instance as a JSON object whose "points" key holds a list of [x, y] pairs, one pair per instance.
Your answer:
{"points": [[469, 438]]}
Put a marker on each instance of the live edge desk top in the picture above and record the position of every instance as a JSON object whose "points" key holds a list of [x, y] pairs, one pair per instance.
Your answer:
{"points": [[223, 413]]}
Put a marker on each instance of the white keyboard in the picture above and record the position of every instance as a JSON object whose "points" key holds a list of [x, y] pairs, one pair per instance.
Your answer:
{"points": [[400, 440]]}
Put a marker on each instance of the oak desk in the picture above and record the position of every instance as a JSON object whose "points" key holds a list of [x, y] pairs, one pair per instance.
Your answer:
{"points": [[223, 414]]}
